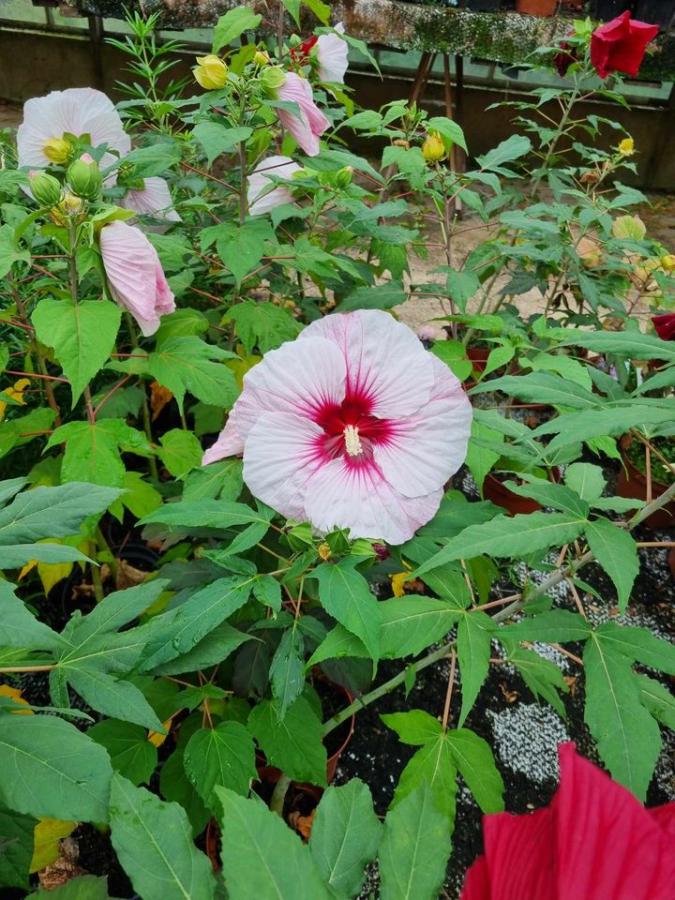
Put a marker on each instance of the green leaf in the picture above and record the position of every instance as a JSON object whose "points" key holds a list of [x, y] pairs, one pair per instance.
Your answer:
{"points": [[241, 247], [475, 761], [224, 755], [549, 494], [262, 325], [474, 634], [153, 841], [216, 138], [639, 644], [321, 10], [414, 849], [507, 151], [205, 514], [292, 744], [195, 618], [432, 767], [381, 296], [541, 387], [19, 627], [410, 624], [572, 428], [513, 537], [86, 887], [93, 450], [449, 129], [117, 609], [180, 452], [554, 625], [657, 699], [413, 727], [287, 670], [586, 480], [631, 344], [262, 857], [542, 677], [346, 595], [213, 649], [616, 551], [82, 335], [221, 479], [628, 738], [130, 751], [52, 769], [232, 25], [113, 697], [267, 590], [185, 364], [481, 459], [345, 836], [16, 848]]}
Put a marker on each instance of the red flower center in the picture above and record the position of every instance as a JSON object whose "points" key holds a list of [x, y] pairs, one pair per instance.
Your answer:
{"points": [[350, 429]]}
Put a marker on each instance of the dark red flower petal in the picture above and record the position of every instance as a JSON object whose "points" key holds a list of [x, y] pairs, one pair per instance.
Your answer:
{"points": [[619, 45], [665, 326]]}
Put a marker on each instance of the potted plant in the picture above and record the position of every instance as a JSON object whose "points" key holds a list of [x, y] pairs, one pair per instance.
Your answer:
{"points": [[632, 481], [537, 7]]}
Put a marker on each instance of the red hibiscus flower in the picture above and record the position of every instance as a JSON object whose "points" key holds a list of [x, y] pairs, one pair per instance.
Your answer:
{"points": [[665, 326], [594, 841], [564, 58], [300, 53], [619, 45]]}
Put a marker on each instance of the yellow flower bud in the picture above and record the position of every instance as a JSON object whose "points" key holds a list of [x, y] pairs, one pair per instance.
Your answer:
{"points": [[57, 150], [71, 207], [211, 72], [626, 147], [324, 551], [261, 58], [668, 262], [433, 148]]}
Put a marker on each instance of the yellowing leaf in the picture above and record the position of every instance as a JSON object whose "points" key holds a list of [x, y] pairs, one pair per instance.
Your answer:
{"points": [[15, 393], [51, 573], [629, 228], [156, 738], [15, 694], [48, 835]]}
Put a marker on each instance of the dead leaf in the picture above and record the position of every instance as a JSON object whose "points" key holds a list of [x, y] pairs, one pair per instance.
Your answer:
{"points": [[64, 869], [159, 397], [509, 696], [128, 576], [15, 695], [47, 837], [302, 824]]}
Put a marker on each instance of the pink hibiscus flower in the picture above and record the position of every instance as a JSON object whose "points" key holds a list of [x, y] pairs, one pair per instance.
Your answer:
{"points": [[77, 111], [353, 425], [594, 841], [308, 123], [619, 45], [135, 275], [262, 195], [153, 199], [332, 53]]}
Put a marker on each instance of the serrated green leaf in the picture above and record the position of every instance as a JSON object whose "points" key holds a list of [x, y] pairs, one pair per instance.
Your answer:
{"points": [[410, 624], [153, 841], [638, 644], [287, 670], [224, 755], [113, 697], [82, 335], [413, 727], [474, 759], [130, 751], [345, 836], [215, 138], [262, 325], [180, 452], [16, 843], [474, 635], [232, 25], [213, 649], [262, 857], [616, 551], [542, 677], [548, 493], [541, 387], [346, 595], [553, 625], [657, 699], [292, 744], [587, 480], [186, 364], [20, 628], [631, 344]]}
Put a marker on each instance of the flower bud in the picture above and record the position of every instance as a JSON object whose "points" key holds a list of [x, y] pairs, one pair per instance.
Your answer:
{"points": [[58, 150], [668, 262], [343, 177], [45, 188], [84, 178], [211, 72], [626, 147], [261, 58], [71, 207], [433, 148], [272, 79]]}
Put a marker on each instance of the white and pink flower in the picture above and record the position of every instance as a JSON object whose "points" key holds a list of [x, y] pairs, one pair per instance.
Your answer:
{"points": [[308, 123], [332, 53], [135, 275], [41, 138], [153, 199], [262, 195], [353, 425]]}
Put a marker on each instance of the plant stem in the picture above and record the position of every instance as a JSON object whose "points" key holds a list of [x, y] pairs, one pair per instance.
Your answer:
{"points": [[279, 794], [8, 670], [147, 421], [448, 693]]}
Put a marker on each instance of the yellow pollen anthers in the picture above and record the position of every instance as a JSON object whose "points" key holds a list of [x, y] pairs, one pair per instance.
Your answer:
{"points": [[626, 147], [352, 441], [58, 150]]}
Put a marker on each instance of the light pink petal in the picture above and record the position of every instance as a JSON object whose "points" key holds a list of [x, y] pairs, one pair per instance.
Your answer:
{"points": [[385, 360], [135, 275], [280, 456], [261, 199], [425, 449], [519, 853], [333, 55], [606, 843], [154, 199], [296, 378], [229, 442], [309, 123], [76, 111], [358, 498]]}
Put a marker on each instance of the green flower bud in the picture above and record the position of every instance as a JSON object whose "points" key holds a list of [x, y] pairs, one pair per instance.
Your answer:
{"points": [[343, 177], [272, 78], [45, 188], [84, 178]]}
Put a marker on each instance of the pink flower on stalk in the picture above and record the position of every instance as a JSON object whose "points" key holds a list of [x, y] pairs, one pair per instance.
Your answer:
{"points": [[135, 275], [353, 425], [309, 123], [40, 138], [332, 53], [262, 195], [594, 841], [153, 199]]}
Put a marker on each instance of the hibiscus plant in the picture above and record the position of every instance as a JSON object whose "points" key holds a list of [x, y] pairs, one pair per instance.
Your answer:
{"points": [[229, 521]]}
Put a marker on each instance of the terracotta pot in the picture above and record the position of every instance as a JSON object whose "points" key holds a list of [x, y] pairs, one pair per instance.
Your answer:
{"points": [[632, 483], [496, 491], [537, 7]]}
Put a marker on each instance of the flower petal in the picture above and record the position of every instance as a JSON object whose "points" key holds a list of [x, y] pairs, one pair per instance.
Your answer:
{"points": [[333, 55], [477, 882], [425, 449], [154, 200], [309, 123], [280, 456], [358, 498], [386, 362], [229, 442], [519, 853], [262, 196]]}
